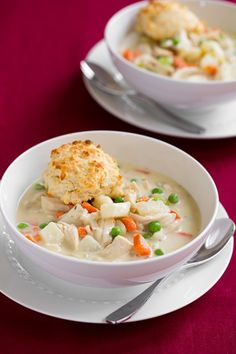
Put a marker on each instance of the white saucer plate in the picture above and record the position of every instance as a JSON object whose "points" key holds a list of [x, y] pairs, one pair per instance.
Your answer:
{"points": [[219, 123], [26, 284]]}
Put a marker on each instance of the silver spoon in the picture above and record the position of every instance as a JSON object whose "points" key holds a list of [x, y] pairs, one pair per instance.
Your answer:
{"points": [[213, 245], [116, 86]]}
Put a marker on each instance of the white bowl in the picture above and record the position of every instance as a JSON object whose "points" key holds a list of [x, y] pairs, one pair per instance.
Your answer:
{"points": [[169, 91], [139, 150]]}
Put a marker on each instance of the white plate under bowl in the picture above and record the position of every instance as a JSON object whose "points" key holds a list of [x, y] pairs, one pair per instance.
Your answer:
{"points": [[26, 284], [219, 123]]}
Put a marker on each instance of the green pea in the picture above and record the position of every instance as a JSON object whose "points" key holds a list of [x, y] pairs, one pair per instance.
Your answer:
{"points": [[43, 225], [157, 190], [173, 198], [141, 65], [158, 252], [154, 226], [115, 231], [165, 60], [39, 187], [175, 41], [118, 200], [133, 180], [22, 225], [147, 235]]}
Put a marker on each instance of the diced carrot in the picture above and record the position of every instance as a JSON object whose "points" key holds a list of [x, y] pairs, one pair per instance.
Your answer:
{"points": [[38, 238], [216, 29], [130, 54], [180, 63], [129, 223], [82, 232], [30, 237], [177, 216], [143, 199], [59, 214], [146, 172], [89, 207], [141, 247], [183, 233], [211, 70]]}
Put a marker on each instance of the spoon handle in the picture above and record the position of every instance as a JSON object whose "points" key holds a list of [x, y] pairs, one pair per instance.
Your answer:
{"points": [[171, 118], [126, 311]]}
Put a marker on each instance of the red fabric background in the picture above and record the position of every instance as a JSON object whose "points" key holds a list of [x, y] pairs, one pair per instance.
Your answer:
{"points": [[41, 96]]}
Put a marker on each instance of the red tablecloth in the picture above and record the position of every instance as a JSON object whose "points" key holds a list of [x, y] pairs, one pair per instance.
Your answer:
{"points": [[42, 95]]}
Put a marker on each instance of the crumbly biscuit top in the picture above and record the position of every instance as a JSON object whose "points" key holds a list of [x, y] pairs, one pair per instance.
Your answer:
{"points": [[80, 171], [162, 19]]}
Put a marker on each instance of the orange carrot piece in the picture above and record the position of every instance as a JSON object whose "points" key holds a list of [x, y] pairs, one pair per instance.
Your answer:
{"points": [[30, 237], [130, 54], [180, 63], [141, 247], [89, 207], [177, 216], [82, 232], [216, 29], [183, 233], [146, 172], [211, 70], [38, 238], [143, 199], [129, 223], [59, 214]]}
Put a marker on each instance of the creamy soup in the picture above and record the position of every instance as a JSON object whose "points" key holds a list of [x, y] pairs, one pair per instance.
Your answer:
{"points": [[153, 216], [165, 41]]}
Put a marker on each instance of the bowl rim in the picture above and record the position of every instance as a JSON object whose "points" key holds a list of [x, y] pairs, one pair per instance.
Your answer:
{"points": [[153, 75], [107, 263]]}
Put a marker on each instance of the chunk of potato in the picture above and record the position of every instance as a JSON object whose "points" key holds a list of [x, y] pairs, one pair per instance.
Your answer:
{"points": [[152, 207], [52, 234], [89, 244], [115, 210]]}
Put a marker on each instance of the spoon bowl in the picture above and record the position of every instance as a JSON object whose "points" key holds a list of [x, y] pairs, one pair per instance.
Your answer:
{"points": [[103, 79]]}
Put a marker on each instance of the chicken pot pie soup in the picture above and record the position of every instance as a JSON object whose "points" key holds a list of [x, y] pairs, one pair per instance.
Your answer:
{"points": [[88, 207], [170, 40]]}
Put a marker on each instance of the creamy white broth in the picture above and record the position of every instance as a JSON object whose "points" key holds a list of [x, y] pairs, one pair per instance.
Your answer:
{"points": [[162, 42], [100, 245]]}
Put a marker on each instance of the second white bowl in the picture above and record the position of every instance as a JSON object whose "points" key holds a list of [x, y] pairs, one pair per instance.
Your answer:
{"points": [[168, 91]]}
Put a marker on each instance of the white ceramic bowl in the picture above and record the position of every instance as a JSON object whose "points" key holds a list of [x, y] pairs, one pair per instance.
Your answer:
{"points": [[168, 91], [139, 150]]}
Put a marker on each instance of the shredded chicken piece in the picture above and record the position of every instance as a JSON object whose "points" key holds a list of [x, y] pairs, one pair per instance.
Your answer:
{"points": [[71, 237]]}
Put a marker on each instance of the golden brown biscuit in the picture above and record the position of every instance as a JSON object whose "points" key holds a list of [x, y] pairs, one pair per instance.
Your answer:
{"points": [[164, 19], [80, 171]]}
